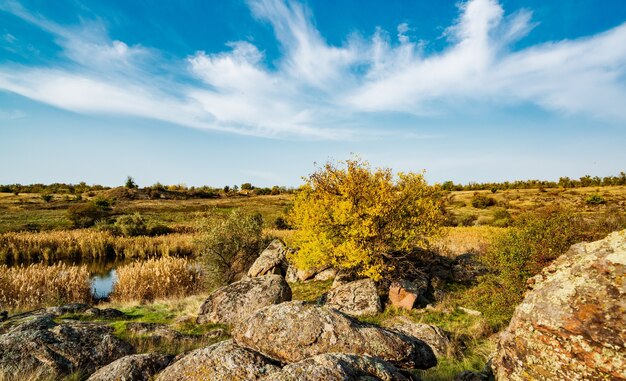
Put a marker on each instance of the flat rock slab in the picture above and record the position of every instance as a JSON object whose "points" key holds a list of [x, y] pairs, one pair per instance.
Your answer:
{"points": [[224, 361], [140, 367], [571, 323], [339, 367], [294, 331], [241, 299], [36, 345]]}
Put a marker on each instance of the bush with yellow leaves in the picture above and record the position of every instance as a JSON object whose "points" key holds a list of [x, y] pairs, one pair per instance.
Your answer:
{"points": [[350, 216]]}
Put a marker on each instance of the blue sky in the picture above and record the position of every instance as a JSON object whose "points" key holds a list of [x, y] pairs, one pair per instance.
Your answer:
{"points": [[225, 92]]}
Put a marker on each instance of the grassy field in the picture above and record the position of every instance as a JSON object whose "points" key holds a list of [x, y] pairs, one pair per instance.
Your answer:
{"points": [[28, 211], [45, 232]]}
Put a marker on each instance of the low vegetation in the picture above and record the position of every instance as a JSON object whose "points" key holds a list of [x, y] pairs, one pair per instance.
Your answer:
{"points": [[167, 277], [229, 246], [522, 251], [39, 285], [27, 247]]}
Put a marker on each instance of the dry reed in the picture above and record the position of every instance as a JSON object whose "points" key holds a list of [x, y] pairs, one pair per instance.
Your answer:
{"points": [[39, 285], [165, 277], [85, 243]]}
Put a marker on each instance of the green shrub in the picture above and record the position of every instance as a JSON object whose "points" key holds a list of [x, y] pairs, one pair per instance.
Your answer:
{"points": [[533, 242], [482, 201], [85, 215], [595, 199], [132, 225], [47, 197], [229, 246], [102, 203], [466, 220], [501, 218]]}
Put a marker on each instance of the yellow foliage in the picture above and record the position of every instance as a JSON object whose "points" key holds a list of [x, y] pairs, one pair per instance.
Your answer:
{"points": [[349, 216]]}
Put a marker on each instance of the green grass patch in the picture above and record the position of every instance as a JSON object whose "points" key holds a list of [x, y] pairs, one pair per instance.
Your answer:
{"points": [[309, 291]]}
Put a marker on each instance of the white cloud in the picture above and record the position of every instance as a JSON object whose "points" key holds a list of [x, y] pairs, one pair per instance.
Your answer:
{"points": [[321, 91]]}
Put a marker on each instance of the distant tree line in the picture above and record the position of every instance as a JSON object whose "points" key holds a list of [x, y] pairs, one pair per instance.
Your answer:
{"points": [[155, 189], [56, 188], [564, 182]]}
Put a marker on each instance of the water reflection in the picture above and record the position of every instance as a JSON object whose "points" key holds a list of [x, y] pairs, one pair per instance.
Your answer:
{"points": [[102, 285], [101, 270]]}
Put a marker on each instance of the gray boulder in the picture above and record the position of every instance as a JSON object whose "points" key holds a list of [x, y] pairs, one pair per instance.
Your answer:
{"points": [[239, 300], [432, 335], [271, 261], [140, 367], [570, 325], [37, 346], [224, 361], [327, 274], [294, 331], [338, 367], [355, 298]]}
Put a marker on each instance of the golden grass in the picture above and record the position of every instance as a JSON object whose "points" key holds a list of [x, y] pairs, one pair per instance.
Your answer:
{"points": [[39, 285], [87, 243], [466, 239], [166, 277]]}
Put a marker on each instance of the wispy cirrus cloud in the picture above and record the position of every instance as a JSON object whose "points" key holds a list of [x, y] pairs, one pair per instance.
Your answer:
{"points": [[320, 91]]}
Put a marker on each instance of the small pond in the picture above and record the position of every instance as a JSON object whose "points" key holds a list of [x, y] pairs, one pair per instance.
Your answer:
{"points": [[101, 270]]}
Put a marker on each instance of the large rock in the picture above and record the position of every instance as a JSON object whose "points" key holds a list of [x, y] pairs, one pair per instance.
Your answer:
{"points": [[37, 346], [293, 331], [224, 361], [140, 367], [571, 324], [432, 335], [355, 298], [239, 300], [271, 261], [339, 367], [405, 294]]}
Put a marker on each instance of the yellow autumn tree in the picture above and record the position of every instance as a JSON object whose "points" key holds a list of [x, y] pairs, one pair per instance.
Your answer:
{"points": [[350, 216]]}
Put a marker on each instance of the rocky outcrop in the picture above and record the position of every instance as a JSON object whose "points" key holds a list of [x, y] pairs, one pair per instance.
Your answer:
{"points": [[271, 261], [355, 298], [294, 331], [339, 367], [36, 346], [140, 367], [432, 335], [405, 294], [239, 300], [68, 309], [224, 361], [570, 325], [105, 313]]}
